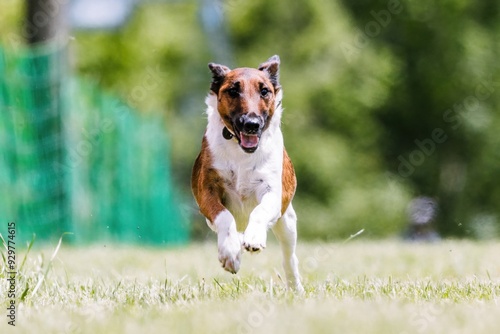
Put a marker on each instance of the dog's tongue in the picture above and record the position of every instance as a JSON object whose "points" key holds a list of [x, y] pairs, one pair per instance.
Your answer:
{"points": [[249, 141]]}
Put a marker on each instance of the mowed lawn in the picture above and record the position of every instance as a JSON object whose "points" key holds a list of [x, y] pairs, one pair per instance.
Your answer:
{"points": [[354, 287]]}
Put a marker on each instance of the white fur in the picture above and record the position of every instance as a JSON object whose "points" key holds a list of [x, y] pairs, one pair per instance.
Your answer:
{"points": [[228, 241], [285, 231], [253, 186]]}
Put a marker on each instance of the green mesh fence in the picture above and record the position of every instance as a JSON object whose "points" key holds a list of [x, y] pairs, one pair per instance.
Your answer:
{"points": [[30, 141], [75, 159]]}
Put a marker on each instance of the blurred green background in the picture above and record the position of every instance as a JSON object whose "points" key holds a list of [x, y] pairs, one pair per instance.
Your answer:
{"points": [[384, 100]]}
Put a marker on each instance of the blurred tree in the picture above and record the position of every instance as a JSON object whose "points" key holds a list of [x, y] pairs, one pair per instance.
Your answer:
{"points": [[447, 53]]}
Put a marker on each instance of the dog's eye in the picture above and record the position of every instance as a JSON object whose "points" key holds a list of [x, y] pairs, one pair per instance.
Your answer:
{"points": [[233, 92], [264, 91]]}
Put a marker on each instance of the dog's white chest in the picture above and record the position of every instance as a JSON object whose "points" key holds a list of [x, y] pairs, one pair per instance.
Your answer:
{"points": [[243, 189]]}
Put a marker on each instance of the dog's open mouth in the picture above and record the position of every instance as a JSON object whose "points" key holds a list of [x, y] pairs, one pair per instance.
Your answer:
{"points": [[249, 142]]}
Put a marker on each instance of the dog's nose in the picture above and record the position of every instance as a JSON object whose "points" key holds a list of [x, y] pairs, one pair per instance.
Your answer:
{"points": [[251, 125]]}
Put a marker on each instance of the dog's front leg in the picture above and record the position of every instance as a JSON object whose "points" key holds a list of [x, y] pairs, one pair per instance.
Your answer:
{"points": [[228, 241], [208, 191], [261, 219]]}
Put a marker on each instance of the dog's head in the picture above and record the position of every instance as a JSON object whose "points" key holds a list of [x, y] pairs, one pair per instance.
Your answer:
{"points": [[246, 100]]}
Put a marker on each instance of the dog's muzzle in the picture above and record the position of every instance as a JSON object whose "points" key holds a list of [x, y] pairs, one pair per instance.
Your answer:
{"points": [[248, 129]]}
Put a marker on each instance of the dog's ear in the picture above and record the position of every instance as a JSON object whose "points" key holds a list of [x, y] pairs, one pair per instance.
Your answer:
{"points": [[218, 74], [272, 69]]}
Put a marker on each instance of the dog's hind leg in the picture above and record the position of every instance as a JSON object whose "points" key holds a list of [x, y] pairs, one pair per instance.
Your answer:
{"points": [[285, 231]]}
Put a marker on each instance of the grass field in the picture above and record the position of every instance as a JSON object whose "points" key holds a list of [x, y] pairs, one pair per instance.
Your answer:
{"points": [[356, 287]]}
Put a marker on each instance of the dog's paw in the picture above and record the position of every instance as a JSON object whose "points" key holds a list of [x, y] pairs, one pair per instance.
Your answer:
{"points": [[254, 239], [297, 288], [230, 252]]}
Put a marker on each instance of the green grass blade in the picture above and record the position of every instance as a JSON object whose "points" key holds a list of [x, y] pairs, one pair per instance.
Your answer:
{"points": [[5, 246], [27, 252], [49, 265], [352, 236]]}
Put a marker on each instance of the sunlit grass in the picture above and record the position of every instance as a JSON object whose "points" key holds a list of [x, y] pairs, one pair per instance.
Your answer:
{"points": [[360, 286]]}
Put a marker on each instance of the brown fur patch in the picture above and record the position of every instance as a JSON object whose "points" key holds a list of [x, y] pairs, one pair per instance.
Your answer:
{"points": [[289, 182], [207, 185]]}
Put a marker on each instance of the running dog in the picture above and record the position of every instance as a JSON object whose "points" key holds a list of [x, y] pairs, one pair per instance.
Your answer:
{"points": [[243, 180]]}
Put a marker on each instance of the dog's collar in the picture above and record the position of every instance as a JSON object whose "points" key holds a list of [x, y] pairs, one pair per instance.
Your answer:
{"points": [[227, 134]]}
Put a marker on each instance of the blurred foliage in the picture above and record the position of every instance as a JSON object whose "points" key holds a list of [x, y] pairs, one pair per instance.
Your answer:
{"points": [[448, 79], [366, 84]]}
